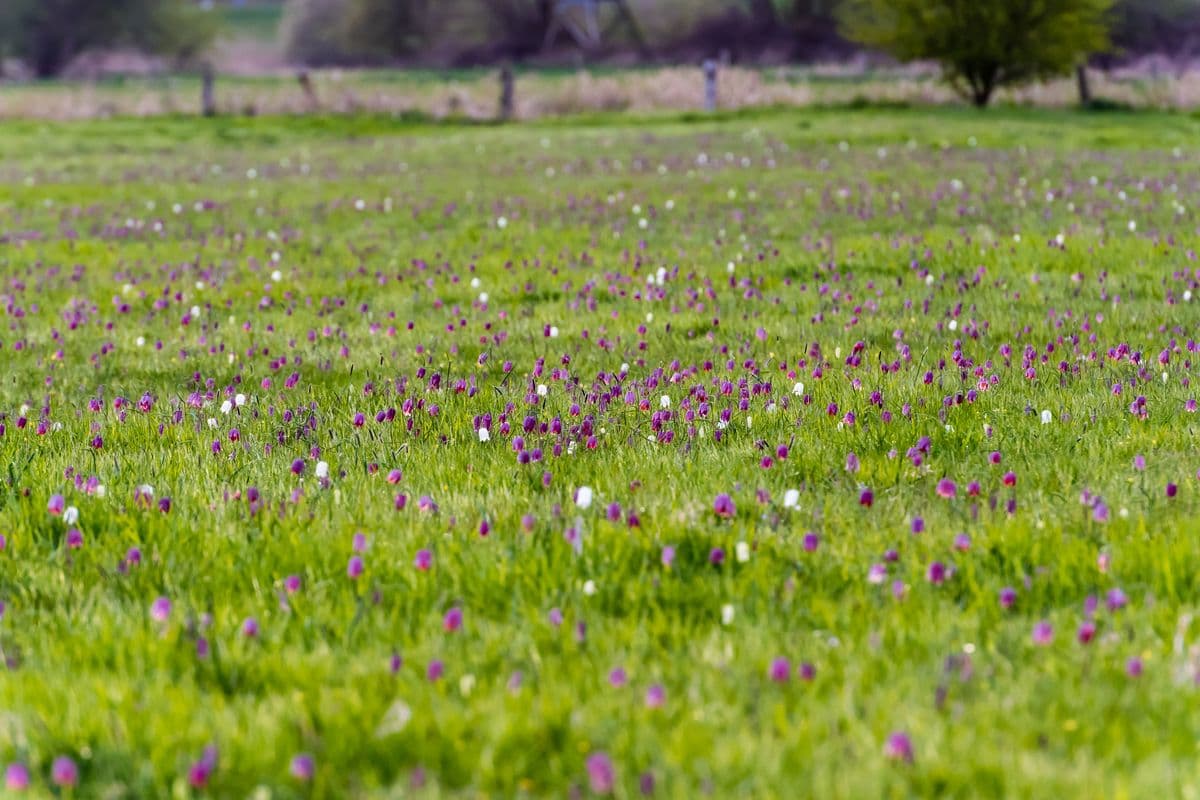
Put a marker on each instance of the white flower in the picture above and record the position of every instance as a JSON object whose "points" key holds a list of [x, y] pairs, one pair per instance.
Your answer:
{"points": [[953, 325], [276, 276], [99, 491], [727, 614], [542, 390], [798, 389], [553, 331], [583, 496], [140, 341], [239, 400], [589, 588], [791, 498], [742, 550], [475, 284], [226, 407], [1047, 417], [483, 297], [664, 401], [322, 470], [146, 489], [212, 422], [484, 435], [502, 222], [71, 515]]}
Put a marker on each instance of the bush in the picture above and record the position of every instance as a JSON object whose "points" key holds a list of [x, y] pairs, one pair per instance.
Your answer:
{"points": [[982, 44], [48, 34], [313, 32]]}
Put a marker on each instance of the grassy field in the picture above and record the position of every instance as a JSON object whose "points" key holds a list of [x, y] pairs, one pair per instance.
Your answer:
{"points": [[761, 455]]}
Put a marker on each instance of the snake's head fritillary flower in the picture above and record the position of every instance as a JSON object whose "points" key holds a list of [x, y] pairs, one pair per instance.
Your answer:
{"points": [[1043, 633], [780, 670], [16, 777], [453, 619], [899, 747], [601, 774], [1087, 632], [63, 772], [583, 496], [56, 505], [354, 568], [1008, 597], [160, 609], [423, 560], [946, 488], [656, 696], [723, 506], [303, 767]]}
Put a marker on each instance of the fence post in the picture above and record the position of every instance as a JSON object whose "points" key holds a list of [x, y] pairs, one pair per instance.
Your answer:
{"points": [[208, 101], [506, 92], [310, 94], [1085, 90], [710, 85]]}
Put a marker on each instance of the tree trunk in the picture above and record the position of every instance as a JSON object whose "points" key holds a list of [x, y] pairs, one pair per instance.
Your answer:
{"points": [[1085, 89]]}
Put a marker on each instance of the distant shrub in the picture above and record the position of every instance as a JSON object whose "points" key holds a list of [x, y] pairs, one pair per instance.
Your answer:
{"points": [[982, 45]]}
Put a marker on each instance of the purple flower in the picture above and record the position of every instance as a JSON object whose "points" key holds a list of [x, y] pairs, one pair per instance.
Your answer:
{"points": [[453, 620], [946, 488], [811, 541], [435, 670], [601, 775], [250, 628], [555, 617], [1008, 597], [668, 556], [160, 609], [56, 504], [1172, 490], [723, 506], [962, 542], [303, 767], [1043, 633], [298, 466], [354, 568], [866, 498], [780, 670], [807, 671], [716, 556], [291, 584], [1087, 632], [74, 539], [16, 777], [656, 696], [63, 772], [899, 747], [936, 574], [1116, 599], [423, 560], [1133, 667], [617, 677]]}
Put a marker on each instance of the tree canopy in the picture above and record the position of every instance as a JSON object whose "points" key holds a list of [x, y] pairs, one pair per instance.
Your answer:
{"points": [[983, 45]]}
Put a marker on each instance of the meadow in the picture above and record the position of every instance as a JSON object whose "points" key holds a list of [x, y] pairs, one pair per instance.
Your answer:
{"points": [[773, 454]]}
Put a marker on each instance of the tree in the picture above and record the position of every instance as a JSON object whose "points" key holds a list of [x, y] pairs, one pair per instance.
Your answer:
{"points": [[388, 28], [48, 34], [982, 45]]}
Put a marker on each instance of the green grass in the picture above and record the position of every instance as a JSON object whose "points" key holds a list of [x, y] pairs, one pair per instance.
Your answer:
{"points": [[781, 237]]}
